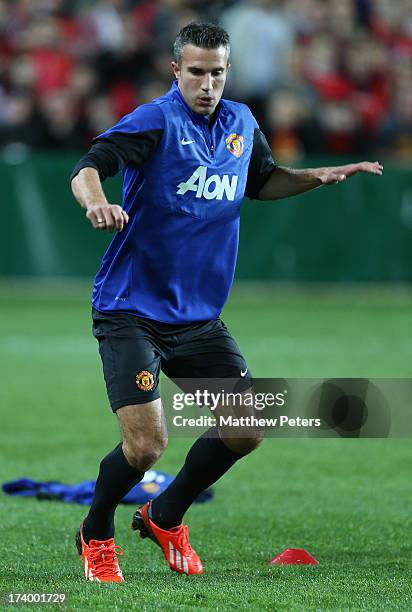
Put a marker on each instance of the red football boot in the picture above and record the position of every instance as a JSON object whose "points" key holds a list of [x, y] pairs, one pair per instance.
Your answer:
{"points": [[174, 542], [100, 559]]}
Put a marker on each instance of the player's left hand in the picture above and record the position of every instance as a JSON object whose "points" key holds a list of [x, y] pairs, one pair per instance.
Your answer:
{"points": [[338, 174]]}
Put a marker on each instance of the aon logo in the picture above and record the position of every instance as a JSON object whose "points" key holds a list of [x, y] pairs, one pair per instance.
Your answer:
{"points": [[212, 188]]}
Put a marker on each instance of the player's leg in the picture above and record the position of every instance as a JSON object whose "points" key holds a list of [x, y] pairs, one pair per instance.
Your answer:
{"points": [[131, 365], [144, 439], [210, 457], [211, 352]]}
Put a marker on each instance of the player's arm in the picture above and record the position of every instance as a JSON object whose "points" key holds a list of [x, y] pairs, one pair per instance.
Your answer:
{"points": [[267, 181], [284, 182], [88, 191], [132, 141]]}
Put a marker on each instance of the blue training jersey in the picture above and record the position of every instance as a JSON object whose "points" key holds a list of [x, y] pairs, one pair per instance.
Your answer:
{"points": [[183, 186]]}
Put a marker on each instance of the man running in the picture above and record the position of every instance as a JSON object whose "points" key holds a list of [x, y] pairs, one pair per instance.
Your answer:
{"points": [[188, 159]]}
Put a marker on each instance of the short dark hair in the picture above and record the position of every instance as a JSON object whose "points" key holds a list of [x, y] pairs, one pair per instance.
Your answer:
{"points": [[203, 35]]}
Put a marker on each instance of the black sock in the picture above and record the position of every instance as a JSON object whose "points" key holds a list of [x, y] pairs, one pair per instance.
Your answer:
{"points": [[116, 478], [207, 460]]}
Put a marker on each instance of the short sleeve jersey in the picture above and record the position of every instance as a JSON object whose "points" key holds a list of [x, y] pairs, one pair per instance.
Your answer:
{"points": [[183, 186]]}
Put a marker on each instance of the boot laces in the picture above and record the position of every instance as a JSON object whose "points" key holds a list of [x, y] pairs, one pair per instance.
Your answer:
{"points": [[183, 541], [103, 559]]}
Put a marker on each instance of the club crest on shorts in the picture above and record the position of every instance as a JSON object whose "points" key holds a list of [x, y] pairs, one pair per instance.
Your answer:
{"points": [[145, 380], [235, 144]]}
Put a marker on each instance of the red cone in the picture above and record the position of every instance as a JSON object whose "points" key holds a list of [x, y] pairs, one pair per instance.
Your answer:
{"points": [[293, 556]]}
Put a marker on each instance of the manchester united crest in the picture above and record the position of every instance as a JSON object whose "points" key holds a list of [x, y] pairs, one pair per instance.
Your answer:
{"points": [[145, 380], [235, 144]]}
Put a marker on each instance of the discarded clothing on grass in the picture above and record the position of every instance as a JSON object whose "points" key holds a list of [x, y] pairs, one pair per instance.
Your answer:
{"points": [[151, 486]]}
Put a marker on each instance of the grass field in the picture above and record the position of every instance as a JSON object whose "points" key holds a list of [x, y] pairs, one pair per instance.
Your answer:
{"points": [[347, 501]]}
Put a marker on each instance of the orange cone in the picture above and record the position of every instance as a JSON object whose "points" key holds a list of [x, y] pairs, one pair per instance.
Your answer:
{"points": [[294, 556]]}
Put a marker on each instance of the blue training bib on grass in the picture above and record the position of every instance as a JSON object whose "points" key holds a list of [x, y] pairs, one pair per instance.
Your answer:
{"points": [[151, 486]]}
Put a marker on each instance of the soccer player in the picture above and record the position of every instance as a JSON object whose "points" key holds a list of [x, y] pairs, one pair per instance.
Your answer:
{"points": [[188, 159]]}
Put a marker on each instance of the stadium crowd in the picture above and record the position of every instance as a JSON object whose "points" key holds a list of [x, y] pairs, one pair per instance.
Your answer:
{"points": [[321, 76]]}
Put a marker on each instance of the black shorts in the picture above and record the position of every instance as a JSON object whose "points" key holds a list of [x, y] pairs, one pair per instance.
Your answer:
{"points": [[134, 351]]}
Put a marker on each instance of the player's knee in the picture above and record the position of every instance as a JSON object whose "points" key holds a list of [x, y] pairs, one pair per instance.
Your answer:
{"points": [[142, 454], [243, 446]]}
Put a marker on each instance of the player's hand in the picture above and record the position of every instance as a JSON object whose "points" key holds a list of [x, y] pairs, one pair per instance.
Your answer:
{"points": [[107, 216], [332, 176]]}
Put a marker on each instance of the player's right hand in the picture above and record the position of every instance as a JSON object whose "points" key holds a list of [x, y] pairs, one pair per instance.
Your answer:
{"points": [[107, 216]]}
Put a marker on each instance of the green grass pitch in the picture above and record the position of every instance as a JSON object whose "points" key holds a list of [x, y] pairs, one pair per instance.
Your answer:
{"points": [[346, 501]]}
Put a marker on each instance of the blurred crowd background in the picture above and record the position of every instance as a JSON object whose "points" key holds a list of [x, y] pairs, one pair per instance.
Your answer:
{"points": [[322, 76]]}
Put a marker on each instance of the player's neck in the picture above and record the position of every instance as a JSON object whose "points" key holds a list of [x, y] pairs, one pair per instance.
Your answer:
{"points": [[213, 118]]}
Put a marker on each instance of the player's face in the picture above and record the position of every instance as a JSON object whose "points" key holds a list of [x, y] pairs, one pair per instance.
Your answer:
{"points": [[201, 76]]}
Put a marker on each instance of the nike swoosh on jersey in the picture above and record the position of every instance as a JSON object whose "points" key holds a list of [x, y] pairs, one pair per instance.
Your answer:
{"points": [[186, 142]]}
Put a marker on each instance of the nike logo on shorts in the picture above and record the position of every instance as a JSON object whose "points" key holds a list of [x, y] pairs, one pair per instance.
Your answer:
{"points": [[243, 372]]}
